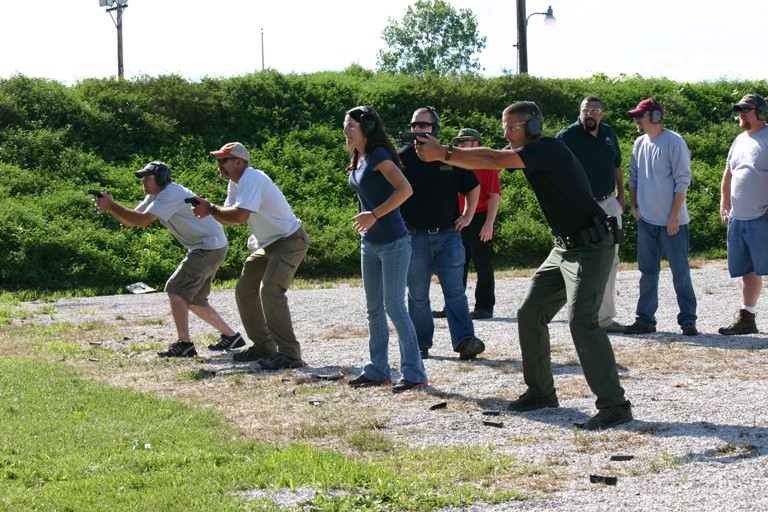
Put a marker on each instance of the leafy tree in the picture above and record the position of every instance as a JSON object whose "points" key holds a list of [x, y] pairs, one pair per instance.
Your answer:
{"points": [[432, 37]]}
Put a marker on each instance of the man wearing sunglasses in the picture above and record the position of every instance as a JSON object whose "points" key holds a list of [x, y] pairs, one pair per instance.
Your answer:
{"points": [[596, 147], [279, 244], [434, 224], [744, 209]]}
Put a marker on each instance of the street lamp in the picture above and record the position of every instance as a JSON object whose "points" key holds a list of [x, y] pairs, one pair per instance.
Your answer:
{"points": [[118, 21], [522, 33]]}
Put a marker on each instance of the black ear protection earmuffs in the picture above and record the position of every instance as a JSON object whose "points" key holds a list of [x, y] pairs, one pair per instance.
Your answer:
{"points": [[534, 122], [367, 119], [655, 114], [435, 118], [162, 172], [762, 108]]}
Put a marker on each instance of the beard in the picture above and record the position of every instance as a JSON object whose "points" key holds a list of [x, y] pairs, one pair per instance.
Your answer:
{"points": [[590, 124], [745, 125]]}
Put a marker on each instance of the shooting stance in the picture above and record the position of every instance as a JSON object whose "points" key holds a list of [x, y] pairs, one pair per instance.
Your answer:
{"points": [[574, 273], [189, 286]]}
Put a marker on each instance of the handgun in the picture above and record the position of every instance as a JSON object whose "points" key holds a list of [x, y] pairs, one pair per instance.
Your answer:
{"points": [[192, 201], [95, 193], [409, 138]]}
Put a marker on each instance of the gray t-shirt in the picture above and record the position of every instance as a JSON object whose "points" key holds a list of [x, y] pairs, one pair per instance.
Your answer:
{"points": [[176, 215], [658, 168], [748, 163]]}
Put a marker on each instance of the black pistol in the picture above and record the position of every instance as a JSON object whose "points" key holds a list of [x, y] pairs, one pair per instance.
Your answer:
{"points": [[95, 193], [192, 201], [409, 138]]}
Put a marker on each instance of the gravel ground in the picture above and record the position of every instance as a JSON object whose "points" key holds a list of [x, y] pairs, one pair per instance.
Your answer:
{"points": [[700, 403]]}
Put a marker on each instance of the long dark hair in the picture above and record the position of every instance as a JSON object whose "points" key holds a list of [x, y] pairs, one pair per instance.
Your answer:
{"points": [[375, 135]]}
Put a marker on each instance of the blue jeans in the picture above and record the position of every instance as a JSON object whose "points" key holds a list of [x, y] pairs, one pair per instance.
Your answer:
{"points": [[651, 241], [385, 269], [443, 254]]}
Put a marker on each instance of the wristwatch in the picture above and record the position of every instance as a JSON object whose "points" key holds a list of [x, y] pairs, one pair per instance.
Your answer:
{"points": [[448, 153]]}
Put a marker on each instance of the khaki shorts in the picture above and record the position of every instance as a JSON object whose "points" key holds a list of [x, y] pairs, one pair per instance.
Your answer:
{"points": [[194, 275]]}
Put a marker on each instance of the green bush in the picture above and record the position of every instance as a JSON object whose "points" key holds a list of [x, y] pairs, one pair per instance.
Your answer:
{"points": [[56, 141]]}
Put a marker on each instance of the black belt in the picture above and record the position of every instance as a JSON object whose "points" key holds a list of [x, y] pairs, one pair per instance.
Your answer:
{"points": [[591, 235], [602, 198], [432, 231]]}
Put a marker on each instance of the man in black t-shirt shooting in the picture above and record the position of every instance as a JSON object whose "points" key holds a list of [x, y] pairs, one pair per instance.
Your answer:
{"points": [[574, 273]]}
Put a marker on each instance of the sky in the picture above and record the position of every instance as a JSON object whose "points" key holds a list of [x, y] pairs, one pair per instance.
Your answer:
{"points": [[684, 40]]}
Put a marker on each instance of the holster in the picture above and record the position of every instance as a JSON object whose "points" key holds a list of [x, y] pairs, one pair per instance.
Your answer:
{"points": [[618, 232]]}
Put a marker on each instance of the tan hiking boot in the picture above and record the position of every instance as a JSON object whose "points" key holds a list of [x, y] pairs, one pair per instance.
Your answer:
{"points": [[744, 324]]}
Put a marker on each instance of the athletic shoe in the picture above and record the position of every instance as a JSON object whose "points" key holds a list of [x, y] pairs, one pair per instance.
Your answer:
{"points": [[608, 417], [526, 402], [179, 349], [407, 385], [228, 342], [363, 382]]}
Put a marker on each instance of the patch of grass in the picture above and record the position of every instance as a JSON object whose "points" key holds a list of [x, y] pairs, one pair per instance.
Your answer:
{"points": [[371, 441], [69, 444]]}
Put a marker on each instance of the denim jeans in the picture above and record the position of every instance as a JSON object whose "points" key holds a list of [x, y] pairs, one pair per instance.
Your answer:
{"points": [[441, 253], [651, 241], [385, 269]]}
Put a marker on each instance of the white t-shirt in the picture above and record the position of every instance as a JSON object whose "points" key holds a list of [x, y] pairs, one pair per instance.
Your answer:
{"points": [[271, 216], [176, 215], [748, 163]]}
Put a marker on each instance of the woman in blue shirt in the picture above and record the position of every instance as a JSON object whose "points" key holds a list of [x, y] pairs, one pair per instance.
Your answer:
{"points": [[385, 248]]}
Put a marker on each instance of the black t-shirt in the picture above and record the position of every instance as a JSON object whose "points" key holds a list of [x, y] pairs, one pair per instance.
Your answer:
{"points": [[561, 186], [436, 187]]}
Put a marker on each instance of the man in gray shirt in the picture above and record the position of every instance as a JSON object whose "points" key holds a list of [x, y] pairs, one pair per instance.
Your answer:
{"points": [[659, 176], [189, 286]]}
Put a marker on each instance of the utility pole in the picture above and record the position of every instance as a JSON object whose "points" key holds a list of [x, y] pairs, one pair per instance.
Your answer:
{"points": [[116, 13]]}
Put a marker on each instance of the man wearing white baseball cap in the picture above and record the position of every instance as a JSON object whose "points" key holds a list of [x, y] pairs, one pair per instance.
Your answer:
{"points": [[279, 244]]}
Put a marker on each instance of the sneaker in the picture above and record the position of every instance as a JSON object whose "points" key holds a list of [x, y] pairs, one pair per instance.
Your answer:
{"points": [[744, 324], [252, 354], [526, 402], [362, 382], [179, 349], [689, 329], [439, 314], [638, 328], [424, 353], [279, 361], [407, 385], [615, 327], [608, 417], [481, 314], [228, 342], [470, 348]]}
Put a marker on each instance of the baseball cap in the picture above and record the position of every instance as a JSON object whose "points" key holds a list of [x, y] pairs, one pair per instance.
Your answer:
{"points": [[234, 150], [151, 169], [468, 133], [644, 106], [750, 100]]}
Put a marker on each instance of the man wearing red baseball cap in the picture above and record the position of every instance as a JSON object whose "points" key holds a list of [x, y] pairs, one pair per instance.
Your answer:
{"points": [[659, 176], [279, 244]]}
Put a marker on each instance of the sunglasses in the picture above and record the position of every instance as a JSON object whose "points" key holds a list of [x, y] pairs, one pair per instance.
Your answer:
{"points": [[422, 124], [743, 110], [225, 160]]}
